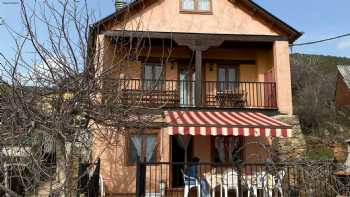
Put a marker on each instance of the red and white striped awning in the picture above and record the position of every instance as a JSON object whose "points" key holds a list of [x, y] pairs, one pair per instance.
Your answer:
{"points": [[225, 123]]}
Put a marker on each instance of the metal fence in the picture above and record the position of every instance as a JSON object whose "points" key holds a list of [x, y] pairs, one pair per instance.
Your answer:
{"points": [[213, 179], [181, 93]]}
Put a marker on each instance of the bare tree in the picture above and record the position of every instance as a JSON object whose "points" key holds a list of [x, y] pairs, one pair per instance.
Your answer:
{"points": [[60, 90], [56, 93], [314, 96]]}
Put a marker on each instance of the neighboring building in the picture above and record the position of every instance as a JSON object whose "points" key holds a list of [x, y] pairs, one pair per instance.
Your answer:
{"points": [[226, 78], [342, 94]]}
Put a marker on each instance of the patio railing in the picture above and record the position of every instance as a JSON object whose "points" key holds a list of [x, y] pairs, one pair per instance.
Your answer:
{"points": [[175, 179], [181, 93]]}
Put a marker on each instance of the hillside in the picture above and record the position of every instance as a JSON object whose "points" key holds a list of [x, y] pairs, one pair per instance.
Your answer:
{"points": [[327, 64], [313, 85]]}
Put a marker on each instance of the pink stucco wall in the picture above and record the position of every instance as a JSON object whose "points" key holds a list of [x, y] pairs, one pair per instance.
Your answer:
{"points": [[226, 18], [283, 77]]}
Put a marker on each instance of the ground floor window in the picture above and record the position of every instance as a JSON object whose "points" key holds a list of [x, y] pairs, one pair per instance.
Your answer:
{"points": [[226, 149], [142, 146]]}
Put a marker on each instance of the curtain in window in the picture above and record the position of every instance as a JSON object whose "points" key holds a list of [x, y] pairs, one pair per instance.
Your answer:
{"points": [[137, 142], [233, 144], [204, 5], [150, 147], [148, 76], [184, 95], [222, 79], [188, 4], [225, 147], [152, 76], [157, 77], [219, 145], [231, 78], [193, 84], [157, 72], [184, 141]]}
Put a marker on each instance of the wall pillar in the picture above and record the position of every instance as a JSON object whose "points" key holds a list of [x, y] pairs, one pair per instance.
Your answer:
{"points": [[281, 64], [199, 78]]}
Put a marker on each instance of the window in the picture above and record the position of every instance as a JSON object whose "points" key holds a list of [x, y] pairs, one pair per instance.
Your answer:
{"points": [[195, 5], [227, 149], [227, 76], [152, 76], [143, 147]]}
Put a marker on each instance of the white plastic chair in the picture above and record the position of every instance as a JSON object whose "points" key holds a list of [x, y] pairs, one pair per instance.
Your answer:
{"points": [[267, 182], [230, 181], [250, 181], [214, 179], [188, 181]]}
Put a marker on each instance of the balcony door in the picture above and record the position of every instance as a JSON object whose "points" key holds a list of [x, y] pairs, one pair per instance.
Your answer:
{"points": [[187, 87], [152, 76], [270, 89], [227, 76]]}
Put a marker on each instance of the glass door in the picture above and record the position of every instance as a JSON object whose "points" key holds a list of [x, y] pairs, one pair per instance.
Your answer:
{"points": [[187, 87], [227, 76]]}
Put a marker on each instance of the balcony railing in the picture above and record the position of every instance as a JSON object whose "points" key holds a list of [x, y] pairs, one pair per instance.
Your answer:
{"points": [[180, 93], [240, 94], [240, 180]]}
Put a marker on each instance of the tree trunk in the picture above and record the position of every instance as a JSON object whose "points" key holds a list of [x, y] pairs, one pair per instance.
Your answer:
{"points": [[61, 164]]}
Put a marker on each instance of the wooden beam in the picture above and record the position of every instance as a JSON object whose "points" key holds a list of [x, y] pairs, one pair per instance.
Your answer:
{"points": [[195, 36], [188, 60], [197, 43], [199, 79]]}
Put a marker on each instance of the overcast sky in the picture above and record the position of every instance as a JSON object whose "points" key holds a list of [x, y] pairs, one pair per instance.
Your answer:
{"points": [[318, 19]]}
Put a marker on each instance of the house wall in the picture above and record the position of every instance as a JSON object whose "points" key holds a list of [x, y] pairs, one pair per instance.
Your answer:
{"points": [[342, 95], [254, 72], [226, 18], [202, 148], [120, 178], [282, 75], [111, 146]]}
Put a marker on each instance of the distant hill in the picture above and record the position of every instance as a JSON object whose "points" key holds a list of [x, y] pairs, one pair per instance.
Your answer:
{"points": [[327, 64]]}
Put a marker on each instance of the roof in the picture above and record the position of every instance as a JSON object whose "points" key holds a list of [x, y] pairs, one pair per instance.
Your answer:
{"points": [[225, 123], [293, 34], [344, 71]]}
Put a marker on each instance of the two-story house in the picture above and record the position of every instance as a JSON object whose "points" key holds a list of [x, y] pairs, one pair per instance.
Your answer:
{"points": [[218, 70]]}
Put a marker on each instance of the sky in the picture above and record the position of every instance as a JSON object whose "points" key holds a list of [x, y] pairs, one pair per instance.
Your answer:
{"points": [[318, 19]]}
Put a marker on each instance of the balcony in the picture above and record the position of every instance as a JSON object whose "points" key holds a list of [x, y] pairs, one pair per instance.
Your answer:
{"points": [[179, 93]]}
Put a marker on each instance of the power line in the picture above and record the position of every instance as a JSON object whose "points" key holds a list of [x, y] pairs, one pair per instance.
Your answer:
{"points": [[10, 2], [319, 41]]}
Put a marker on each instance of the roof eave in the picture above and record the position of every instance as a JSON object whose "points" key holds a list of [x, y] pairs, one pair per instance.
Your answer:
{"points": [[294, 33]]}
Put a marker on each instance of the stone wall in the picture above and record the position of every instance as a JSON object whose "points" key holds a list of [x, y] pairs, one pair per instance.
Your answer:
{"points": [[291, 148]]}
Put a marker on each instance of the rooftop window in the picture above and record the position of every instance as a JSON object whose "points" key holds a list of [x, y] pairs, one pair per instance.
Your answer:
{"points": [[196, 6]]}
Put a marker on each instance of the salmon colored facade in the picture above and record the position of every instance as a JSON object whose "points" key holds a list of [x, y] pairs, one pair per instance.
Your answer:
{"points": [[342, 95], [254, 45]]}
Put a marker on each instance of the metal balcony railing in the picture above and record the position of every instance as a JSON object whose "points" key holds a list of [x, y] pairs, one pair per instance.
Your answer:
{"points": [[180, 93]]}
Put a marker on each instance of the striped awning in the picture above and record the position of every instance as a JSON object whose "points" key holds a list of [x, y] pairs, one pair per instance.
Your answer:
{"points": [[225, 123]]}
